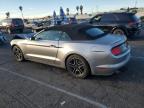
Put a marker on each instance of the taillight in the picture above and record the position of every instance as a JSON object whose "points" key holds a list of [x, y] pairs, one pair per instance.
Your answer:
{"points": [[116, 51], [120, 49]]}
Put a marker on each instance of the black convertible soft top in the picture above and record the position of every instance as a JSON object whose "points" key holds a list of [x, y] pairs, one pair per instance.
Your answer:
{"points": [[75, 31]]}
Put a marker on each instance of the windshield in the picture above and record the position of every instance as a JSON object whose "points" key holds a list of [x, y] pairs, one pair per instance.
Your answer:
{"points": [[94, 32]]}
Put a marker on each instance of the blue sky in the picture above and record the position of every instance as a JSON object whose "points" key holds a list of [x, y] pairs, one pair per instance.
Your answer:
{"points": [[37, 8]]}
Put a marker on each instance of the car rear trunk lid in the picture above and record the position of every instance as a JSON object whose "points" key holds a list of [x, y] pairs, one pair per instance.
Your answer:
{"points": [[111, 39]]}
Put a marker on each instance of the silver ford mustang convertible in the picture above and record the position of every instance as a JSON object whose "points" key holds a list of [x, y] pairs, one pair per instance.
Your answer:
{"points": [[81, 49]]}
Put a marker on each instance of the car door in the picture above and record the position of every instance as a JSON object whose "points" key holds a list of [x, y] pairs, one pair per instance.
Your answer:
{"points": [[43, 47]]}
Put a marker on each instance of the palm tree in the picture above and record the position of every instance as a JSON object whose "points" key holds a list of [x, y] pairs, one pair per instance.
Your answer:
{"points": [[21, 9], [7, 14], [81, 9], [77, 8], [67, 11]]}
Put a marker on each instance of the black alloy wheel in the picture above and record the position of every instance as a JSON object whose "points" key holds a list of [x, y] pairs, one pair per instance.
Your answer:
{"points": [[77, 66], [18, 54]]}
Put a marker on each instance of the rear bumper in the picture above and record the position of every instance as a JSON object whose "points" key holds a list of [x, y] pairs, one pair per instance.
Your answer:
{"points": [[109, 69]]}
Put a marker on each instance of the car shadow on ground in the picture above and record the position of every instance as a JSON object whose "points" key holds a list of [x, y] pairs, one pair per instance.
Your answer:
{"points": [[136, 38], [129, 75], [5, 46], [134, 74]]}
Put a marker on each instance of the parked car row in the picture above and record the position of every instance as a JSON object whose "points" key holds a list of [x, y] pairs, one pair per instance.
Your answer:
{"points": [[12, 24], [124, 23], [53, 22]]}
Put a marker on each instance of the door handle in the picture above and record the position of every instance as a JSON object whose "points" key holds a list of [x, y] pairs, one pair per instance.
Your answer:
{"points": [[52, 46]]}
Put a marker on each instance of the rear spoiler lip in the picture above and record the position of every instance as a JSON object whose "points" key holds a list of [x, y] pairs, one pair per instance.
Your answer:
{"points": [[119, 42]]}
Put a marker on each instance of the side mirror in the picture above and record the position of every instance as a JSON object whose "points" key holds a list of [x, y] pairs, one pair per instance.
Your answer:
{"points": [[32, 38]]}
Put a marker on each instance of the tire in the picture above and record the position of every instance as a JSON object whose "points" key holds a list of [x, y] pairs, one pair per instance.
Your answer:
{"points": [[119, 31], [18, 54], [77, 66]]}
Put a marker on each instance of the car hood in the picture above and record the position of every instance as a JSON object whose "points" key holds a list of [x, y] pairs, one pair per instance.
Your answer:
{"points": [[111, 39]]}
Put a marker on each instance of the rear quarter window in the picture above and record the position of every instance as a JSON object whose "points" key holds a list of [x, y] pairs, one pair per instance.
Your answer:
{"points": [[108, 18], [94, 32], [122, 17], [127, 17], [17, 21]]}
